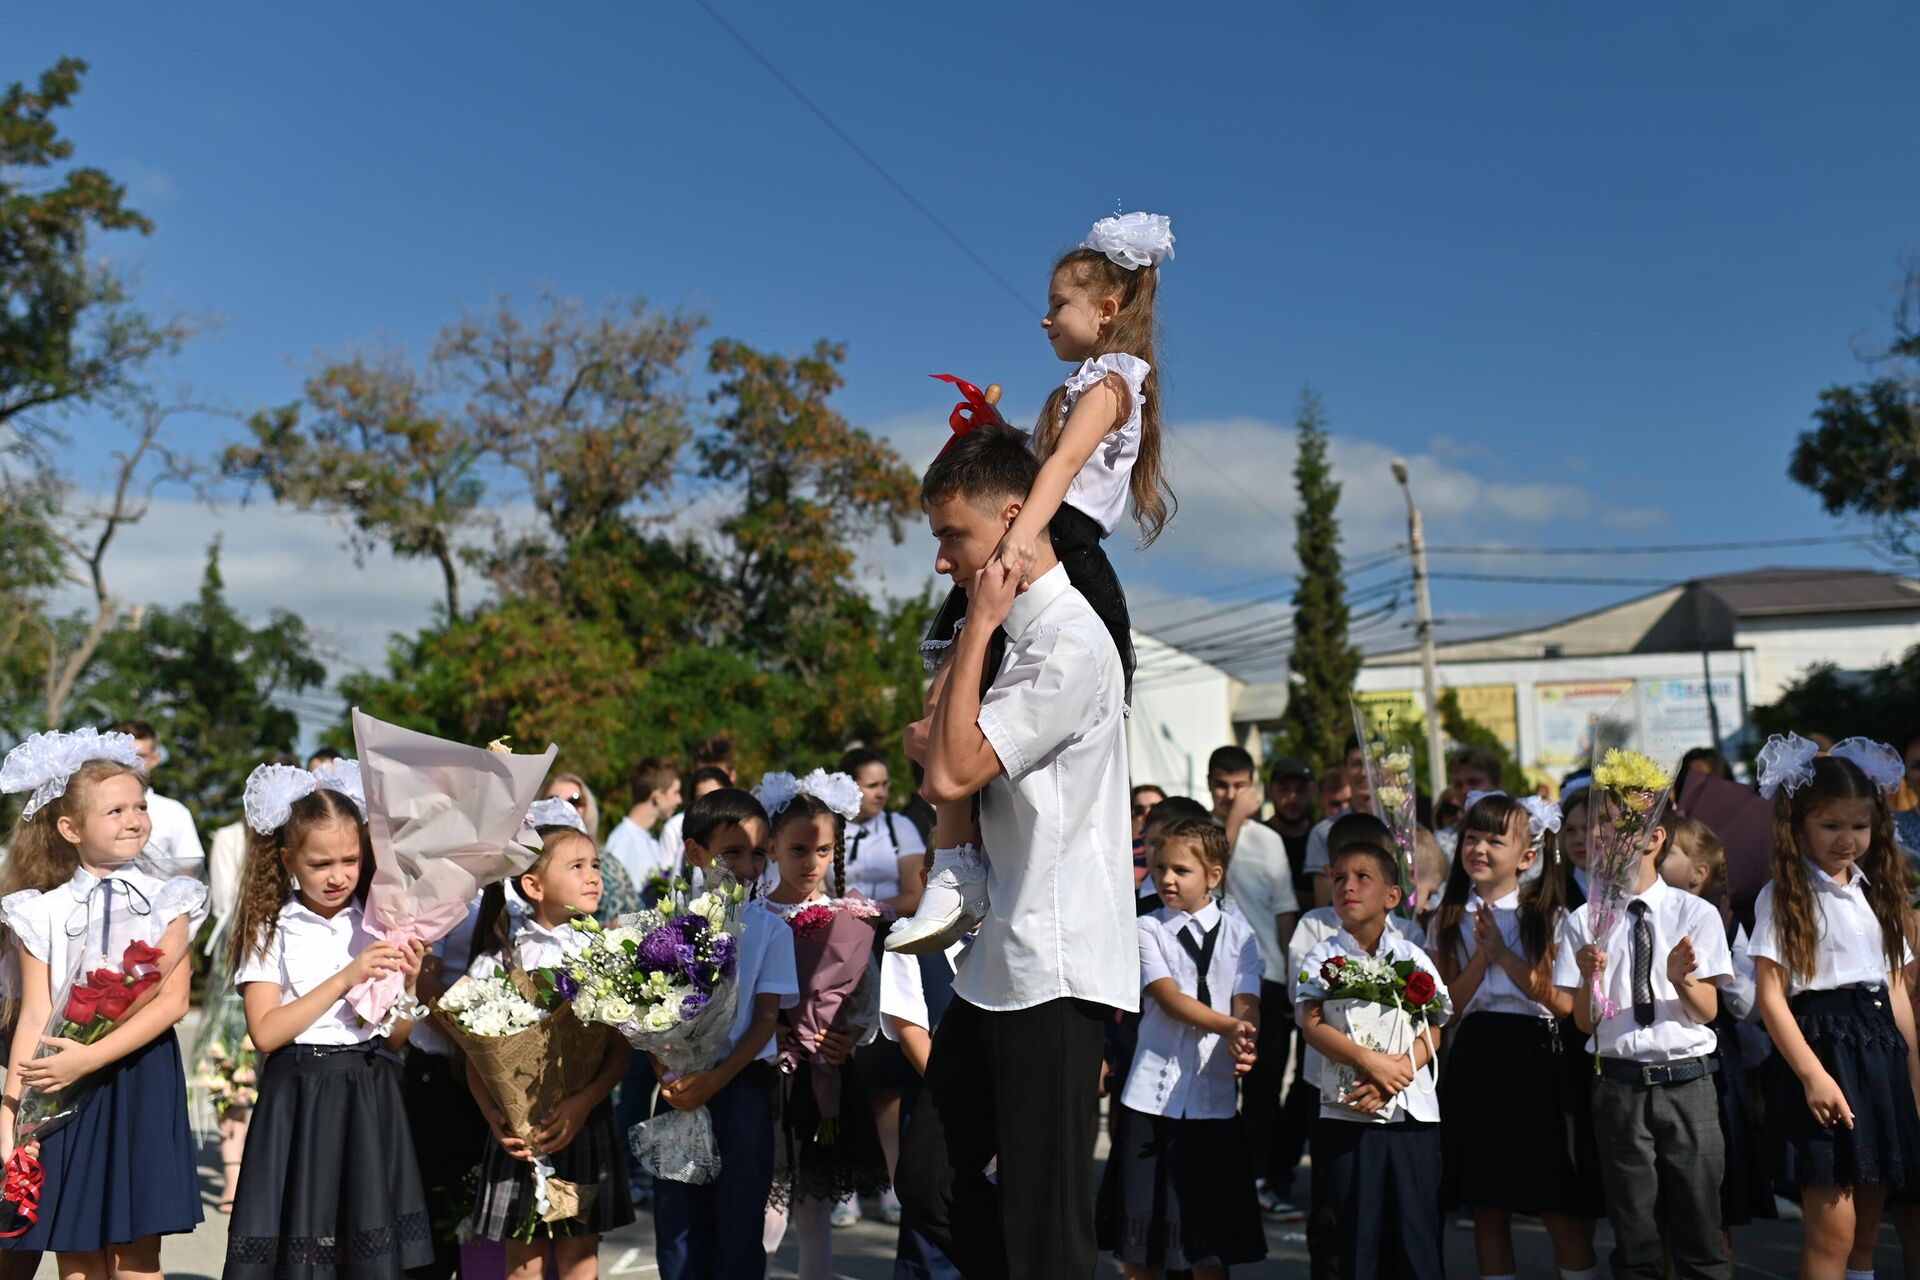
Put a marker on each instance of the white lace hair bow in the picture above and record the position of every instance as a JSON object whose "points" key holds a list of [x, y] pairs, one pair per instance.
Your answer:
{"points": [[1786, 762], [837, 791], [44, 763], [1542, 816], [1133, 240], [273, 789], [1877, 760], [555, 812]]}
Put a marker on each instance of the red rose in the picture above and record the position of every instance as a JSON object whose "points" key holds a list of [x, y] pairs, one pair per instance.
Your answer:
{"points": [[82, 1004], [114, 1002], [143, 984], [104, 978], [1420, 988], [1330, 972], [139, 953]]}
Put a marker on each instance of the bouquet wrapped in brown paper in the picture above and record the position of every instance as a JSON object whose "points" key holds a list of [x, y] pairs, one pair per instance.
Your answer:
{"points": [[531, 1060]]}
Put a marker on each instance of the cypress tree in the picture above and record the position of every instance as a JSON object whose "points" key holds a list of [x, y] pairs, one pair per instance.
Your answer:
{"points": [[1323, 664]]}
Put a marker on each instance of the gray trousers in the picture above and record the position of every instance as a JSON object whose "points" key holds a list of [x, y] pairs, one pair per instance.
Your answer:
{"points": [[1661, 1160]]}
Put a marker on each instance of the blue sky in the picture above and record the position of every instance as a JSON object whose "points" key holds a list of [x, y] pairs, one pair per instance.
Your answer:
{"points": [[1586, 266]]}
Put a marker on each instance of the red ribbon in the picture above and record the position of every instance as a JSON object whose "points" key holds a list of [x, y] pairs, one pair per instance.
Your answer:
{"points": [[22, 1187], [970, 413]]}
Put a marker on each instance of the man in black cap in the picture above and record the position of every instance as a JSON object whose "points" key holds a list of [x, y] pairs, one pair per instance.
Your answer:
{"points": [[1290, 789]]}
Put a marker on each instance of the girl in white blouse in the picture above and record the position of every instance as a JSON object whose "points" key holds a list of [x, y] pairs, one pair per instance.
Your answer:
{"points": [[329, 1173], [1494, 944], [1829, 946], [119, 1173], [1178, 1190]]}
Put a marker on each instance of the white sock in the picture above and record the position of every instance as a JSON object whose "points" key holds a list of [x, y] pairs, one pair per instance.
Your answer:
{"points": [[813, 1231], [773, 1229], [1859, 1275], [1591, 1273], [965, 861]]}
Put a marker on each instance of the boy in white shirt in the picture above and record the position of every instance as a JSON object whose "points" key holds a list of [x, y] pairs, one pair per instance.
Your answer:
{"points": [[654, 785]]}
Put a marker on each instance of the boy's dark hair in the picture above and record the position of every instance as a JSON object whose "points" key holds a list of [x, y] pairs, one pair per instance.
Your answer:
{"points": [[1357, 829], [1353, 745], [1209, 836], [708, 773], [1388, 865], [727, 807], [654, 773], [1476, 758], [326, 753], [858, 758], [138, 730], [1229, 760], [985, 465], [713, 751], [1176, 809]]}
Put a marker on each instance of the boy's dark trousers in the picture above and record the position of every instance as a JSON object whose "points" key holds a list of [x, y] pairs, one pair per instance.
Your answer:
{"points": [[1022, 1086], [713, 1231], [1260, 1089], [1662, 1156], [1376, 1192]]}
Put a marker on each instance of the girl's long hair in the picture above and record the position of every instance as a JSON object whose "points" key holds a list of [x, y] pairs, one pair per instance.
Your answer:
{"points": [[1834, 779], [266, 883], [805, 806], [1132, 332], [1542, 900]]}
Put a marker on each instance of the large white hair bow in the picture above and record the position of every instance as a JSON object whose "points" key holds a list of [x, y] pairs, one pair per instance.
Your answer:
{"points": [[45, 762], [1542, 816], [555, 812], [776, 791], [1877, 760], [837, 791], [1133, 240], [273, 789], [1786, 762]]}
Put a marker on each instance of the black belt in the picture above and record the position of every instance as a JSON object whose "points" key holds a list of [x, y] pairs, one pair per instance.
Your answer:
{"points": [[1653, 1074], [375, 1047]]}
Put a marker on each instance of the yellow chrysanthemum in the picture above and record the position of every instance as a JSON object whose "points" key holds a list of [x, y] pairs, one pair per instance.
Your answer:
{"points": [[1624, 770]]}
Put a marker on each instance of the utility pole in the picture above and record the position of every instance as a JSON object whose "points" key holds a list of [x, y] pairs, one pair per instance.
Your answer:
{"points": [[1423, 632]]}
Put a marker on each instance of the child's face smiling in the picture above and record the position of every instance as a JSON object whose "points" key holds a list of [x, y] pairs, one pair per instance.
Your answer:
{"points": [[739, 849], [804, 847], [1494, 862], [1837, 834], [568, 882], [112, 826]]}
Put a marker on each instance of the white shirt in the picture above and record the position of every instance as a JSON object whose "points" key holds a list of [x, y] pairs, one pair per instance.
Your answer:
{"points": [[226, 859], [1847, 950], [173, 847], [1417, 1101], [903, 991], [673, 843], [1738, 992], [1056, 820], [638, 850], [1673, 914], [1102, 487], [764, 967], [1178, 1069], [88, 922], [1260, 882], [874, 850], [535, 946], [1316, 859], [1497, 992], [1315, 927], [305, 951]]}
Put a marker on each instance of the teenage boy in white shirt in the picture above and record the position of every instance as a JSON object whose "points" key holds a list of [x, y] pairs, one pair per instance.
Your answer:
{"points": [[1015, 1066]]}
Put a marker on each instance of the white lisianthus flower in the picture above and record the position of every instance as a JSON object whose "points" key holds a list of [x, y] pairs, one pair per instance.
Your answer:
{"points": [[1393, 797], [661, 1017], [613, 1010]]}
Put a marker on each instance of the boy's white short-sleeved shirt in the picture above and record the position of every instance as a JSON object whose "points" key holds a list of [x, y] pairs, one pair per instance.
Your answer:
{"points": [[1178, 1069], [903, 993], [1672, 914], [1418, 1101], [765, 968]]}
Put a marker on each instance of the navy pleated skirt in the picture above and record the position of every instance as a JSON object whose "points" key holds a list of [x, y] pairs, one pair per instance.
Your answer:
{"points": [[1852, 1032], [1507, 1074], [123, 1168]]}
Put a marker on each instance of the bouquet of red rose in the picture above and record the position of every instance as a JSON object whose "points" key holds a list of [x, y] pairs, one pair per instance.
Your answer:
{"points": [[832, 947], [1379, 1004]]}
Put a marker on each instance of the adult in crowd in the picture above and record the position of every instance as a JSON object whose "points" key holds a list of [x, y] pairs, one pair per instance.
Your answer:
{"points": [[1144, 797], [1290, 791], [653, 786], [174, 848]]}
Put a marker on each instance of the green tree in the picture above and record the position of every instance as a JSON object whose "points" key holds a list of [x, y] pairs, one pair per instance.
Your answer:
{"points": [[1863, 455], [1323, 664], [1882, 704]]}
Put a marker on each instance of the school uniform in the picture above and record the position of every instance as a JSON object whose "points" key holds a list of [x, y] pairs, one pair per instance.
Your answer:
{"points": [[713, 1229], [450, 1135], [1178, 1190], [596, 1159], [1376, 1178], [1746, 1192], [1845, 1012], [916, 990], [1506, 1073], [874, 848], [1260, 882], [329, 1183], [1655, 1108], [123, 1167]]}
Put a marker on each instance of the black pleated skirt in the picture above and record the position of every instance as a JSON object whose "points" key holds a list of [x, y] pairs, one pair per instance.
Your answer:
{"points": [[123, 1168], [1178, 1194], [1077, 542], [1506, 1075], [1853, 1033], [846, 1160], [329, 1185], [1744, 1190]]}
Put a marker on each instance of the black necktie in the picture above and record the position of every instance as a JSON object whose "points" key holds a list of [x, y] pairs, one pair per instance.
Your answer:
{"points": [[1202, 953], [853, 848], [1642, 964]]}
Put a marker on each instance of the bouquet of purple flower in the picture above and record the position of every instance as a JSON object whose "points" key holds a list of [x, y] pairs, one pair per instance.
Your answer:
{"points": [[665, 979]]}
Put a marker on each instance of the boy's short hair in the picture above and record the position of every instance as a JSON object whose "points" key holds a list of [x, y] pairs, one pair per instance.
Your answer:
{"points": [[138, 730], [1229, 760], [727, 807], [713, 751], [1429, 859], [988, 464], [327, 753], [708, 773], [1334, 779], [1208, 835], [654, 773], [1476, 758], [1359, 828], [1385, 862]]}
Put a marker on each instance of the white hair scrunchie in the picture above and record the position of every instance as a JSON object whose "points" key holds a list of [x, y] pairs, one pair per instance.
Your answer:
{"points": [[45, 762], [1786, 762], [1542, 816], [1132, 240], [273, 789], [1877, 760]]}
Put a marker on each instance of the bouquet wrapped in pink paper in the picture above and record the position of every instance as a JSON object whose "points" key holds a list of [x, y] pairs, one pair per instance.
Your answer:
{"points": [[832, 947], [442, 817]]}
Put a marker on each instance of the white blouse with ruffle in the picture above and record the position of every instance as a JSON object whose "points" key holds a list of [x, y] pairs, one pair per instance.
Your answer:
{"points": [[89, 921], [1101, 489]]}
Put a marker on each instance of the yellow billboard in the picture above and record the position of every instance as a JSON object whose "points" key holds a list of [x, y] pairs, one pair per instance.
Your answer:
{"points": [[1494, 707]]}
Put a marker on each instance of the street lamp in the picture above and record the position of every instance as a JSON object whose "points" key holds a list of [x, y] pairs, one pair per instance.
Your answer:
{"points": [[1423, 632]]}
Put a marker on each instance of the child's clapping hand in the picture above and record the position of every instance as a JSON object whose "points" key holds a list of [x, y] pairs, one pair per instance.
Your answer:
{"points": [[1243, 1041], [1681, 962]]}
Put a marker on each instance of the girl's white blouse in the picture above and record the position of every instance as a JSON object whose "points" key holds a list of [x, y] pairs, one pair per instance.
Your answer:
{"points": [[534, 947], [305, 951], [63, 927], [1101, 488]]}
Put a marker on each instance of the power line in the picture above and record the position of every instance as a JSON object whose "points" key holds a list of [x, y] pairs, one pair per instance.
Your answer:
{"points": [[1554, 581], [1670, 548], [1363, 565], [920, 207]]}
